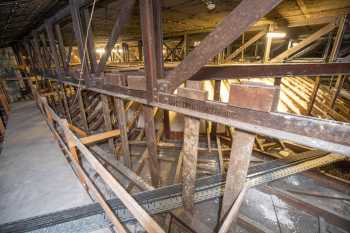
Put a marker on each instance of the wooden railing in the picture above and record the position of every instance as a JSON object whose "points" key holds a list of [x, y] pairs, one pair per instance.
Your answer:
{"points": [[74, 146]]}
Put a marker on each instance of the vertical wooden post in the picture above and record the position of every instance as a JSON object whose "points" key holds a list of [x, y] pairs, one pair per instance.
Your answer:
{"points": [[151, 145], [166, 123], [107, 119], [122, 123], [65, 103], [53, 48], [72, 147], [151, 37], [268, 46], [90, 41], [79, 36], [243, 142], [82, 110], [217, 86], [62, 50], [190, 147]]}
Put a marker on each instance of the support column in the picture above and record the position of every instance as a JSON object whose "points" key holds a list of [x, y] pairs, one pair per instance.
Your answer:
{"points": [[65, 103], [53, 48], [82, 110], [190, 147], [122, 123], [268, 44], [151, 145], [243, 142], [107, 119]]}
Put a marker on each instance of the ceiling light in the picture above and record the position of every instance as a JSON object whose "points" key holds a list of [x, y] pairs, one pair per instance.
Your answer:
{"points": [[100, 51], [276, 34], [210, 4]]}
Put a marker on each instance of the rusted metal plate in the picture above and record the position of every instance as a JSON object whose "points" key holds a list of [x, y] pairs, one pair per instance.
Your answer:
{"points": [[253, 96], [137, 82]]}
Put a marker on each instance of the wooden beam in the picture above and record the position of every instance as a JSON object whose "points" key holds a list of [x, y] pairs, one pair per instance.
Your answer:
{"points": [[77, 130], [79, 36], [62, 50], [225, 33], [125, 171], [268, 44], [90, 41], [338, 86], [151, 145], [232, 214], [82, 110], [313, 95], [303, 8], [65, 103], [148, 223], [310, 39], [150, 44], [107, 119], [246, 45], [100, 137], [122, 124], [190, 149], [241, 150], [126, 7], [92, 188], [53, 48]]}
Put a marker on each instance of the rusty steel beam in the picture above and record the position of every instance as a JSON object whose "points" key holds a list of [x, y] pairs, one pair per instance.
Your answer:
{"points": [[312, 132], [150, 44], [270, 70], [246, 13]]}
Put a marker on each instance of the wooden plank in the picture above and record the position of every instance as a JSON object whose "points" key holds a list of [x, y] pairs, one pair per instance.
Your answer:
{"points": [[246, 45], [149, 224], [100, 137], [125, 171], [77, 130], [233, 212], [310, 39], [98, 196], [303, 8]]}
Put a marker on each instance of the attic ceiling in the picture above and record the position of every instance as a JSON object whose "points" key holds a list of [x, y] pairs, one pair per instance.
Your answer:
{"points": [[17, 18]]}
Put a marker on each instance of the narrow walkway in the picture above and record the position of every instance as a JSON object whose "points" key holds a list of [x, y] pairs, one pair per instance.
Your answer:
{"points": [[35, 178]]}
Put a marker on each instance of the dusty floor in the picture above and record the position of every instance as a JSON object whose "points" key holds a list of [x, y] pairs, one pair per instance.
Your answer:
{"points": [[35, 178]]}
